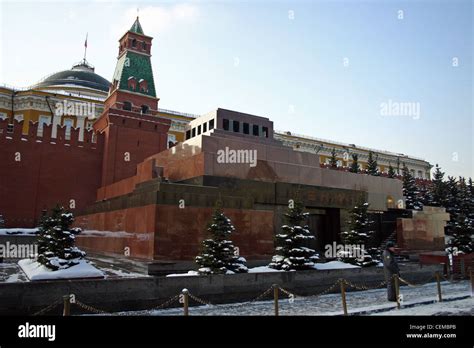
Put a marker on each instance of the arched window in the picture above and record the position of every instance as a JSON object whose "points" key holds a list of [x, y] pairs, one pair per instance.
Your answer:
{"points": [[144, 46], [145, 109], [132, 83], [143, 85], [127, 106], [134, 43]]}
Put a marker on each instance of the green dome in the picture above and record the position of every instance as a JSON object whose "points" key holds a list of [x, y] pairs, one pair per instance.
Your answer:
{"points": [[81, 74]]}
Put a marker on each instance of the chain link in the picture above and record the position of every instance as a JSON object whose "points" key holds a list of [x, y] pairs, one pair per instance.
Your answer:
{"points": [[48, 308], [166, 303], [199, 300], [90, 308], [262, 295], [364, 286], [415, 285], [328, 290]]}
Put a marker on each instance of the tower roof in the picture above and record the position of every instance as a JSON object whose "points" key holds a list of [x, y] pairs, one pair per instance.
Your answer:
{"points": [[136, 27]]}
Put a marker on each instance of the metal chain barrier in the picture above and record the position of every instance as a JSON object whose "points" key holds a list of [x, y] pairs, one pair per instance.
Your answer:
{"points": [[287, 293], [415, 285], [166, 303], [262, 295], [90, 308], [328, 290], [200, 300], [172, 299], [363, 286], [48, 308]]}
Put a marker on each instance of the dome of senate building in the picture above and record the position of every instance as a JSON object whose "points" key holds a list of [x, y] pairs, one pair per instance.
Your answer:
{"points": [[81, 74]]}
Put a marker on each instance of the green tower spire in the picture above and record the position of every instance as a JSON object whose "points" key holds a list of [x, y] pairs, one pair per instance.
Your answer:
{"points": [[133, 72], [136, 27]]}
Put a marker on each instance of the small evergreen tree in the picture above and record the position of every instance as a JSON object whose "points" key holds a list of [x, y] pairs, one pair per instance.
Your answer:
{"points": [[56, 240], [333, 160], [462, 234], [410, 190], [470, 185], [451, 203], [372, 165], [2, 221], [291, 252], [391, 171], [360, 230], [438, 189], [355, 164], [464, 199], [218, 254]]}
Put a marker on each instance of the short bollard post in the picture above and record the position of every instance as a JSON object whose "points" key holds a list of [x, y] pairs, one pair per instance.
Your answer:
{"points": [[67, 306], [463, 268], [185, 293], [397, 289], [440, 297], [343, 295], [275, 298]]}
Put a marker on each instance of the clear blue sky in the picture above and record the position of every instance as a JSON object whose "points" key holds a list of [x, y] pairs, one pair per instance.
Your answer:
{"points": [[261, 58]]}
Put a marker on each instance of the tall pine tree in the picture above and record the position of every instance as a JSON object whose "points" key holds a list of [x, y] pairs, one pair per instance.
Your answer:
{"points": [[333, 160], [218, 255], [391, 171], [372, 165], [291, 252], [438, 189], [410, 190], [56, 240], [451, 203], [355, 164]]}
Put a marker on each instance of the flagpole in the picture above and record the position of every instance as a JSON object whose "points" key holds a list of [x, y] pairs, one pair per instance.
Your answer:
{"points": [[85, 47]]}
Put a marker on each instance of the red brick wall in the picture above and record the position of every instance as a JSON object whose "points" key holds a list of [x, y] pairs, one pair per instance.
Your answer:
{"points": [[130, 139], [50, 171]]}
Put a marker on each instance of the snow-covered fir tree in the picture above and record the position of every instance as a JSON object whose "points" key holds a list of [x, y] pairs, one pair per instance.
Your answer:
{"points": [[355, 164], [56, 240], [450, 202], [424, 189], [391, 171], [291, 252], [410, 190], [2, 221], [461, 236], [218, 255], [361, 228], [470, 185], [464, 199], [333, 160], [372, 165], [438, 189]]}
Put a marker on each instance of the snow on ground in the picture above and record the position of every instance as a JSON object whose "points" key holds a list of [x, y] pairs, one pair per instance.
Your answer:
{"points": [[263, 269], [36, 271], [18, 231], [458, 307], [358, 302], [334, 265], [120, 273], [190, 273], [266, 269]]}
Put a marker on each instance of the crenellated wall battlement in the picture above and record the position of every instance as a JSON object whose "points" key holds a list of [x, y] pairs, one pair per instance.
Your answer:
{"points": [[12, 132]]}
